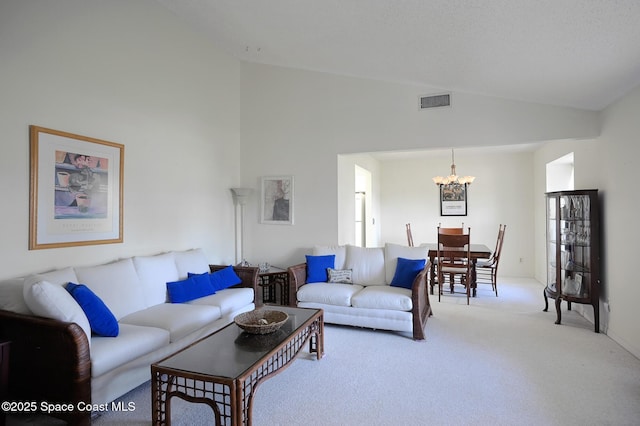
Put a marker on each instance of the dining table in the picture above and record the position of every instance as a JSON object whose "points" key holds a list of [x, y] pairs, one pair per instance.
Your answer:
{"points": [[477, 251]]}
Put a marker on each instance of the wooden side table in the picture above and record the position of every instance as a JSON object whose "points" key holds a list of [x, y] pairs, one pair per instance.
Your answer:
{"points": [[272, 279]]}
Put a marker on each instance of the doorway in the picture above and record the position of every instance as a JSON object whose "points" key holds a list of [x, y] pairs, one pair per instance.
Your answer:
{"points": [[362, 207]]}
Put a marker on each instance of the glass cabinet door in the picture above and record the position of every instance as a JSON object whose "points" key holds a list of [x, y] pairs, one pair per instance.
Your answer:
{"points": [[569, 246], [551, 243], [575, 246]]}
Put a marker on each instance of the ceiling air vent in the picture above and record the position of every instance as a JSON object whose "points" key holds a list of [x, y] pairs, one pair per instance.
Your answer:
{"points": [[435, 101]]}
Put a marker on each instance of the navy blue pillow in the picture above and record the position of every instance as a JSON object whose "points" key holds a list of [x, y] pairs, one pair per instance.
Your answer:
{"points": [[101, 319], [406, 272], [194, 287], [317, 267], [224, 278]]}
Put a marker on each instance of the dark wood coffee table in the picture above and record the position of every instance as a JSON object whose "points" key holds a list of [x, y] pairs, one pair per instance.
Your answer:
{"points": [[224, 369]]}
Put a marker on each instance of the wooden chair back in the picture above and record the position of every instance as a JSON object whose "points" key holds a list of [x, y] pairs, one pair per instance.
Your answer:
{"points": [[453, 249], [498, 250], [487, 270], [451, 231], [453, 256], [409, 235]]}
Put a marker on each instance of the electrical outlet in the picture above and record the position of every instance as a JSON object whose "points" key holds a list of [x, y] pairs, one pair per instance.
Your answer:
{"points": [[522, 260], [607, 307]]}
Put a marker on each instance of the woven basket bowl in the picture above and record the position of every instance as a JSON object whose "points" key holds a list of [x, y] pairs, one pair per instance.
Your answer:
{"points": [[261, 321]]}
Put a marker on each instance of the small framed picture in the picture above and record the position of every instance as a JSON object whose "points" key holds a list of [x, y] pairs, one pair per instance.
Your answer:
{"points": [[453, 200], [277, 200]]}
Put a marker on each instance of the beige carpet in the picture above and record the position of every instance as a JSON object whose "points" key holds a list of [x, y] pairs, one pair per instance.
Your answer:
{"points": [[499, 361]]}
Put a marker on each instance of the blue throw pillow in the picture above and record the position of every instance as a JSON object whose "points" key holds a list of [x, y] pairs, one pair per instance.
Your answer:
{"points": [[406, 272], [317, 267], [101, 319], [202, 276], [224, 278], [194, 287]]}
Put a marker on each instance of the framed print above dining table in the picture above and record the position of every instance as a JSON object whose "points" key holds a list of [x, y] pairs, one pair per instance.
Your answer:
{"points": [[75, 191], [453, 200]]}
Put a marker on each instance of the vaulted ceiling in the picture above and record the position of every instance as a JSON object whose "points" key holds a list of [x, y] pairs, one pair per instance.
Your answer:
{"points": [[578, 53]]}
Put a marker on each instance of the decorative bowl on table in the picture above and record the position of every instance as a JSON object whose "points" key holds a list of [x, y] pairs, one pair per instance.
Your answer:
{"points": [[261, 321]]}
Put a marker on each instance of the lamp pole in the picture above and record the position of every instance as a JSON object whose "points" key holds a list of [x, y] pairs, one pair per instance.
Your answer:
{"points": [[240, 198]]}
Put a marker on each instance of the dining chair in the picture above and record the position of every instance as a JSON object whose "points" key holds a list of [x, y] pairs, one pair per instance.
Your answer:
{"points": [[444, 230], [409, 235], [454, 231], [453, 256], [487, 269]]}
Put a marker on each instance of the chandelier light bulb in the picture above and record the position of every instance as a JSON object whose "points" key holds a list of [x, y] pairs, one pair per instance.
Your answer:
{"points": [[453, 178]]}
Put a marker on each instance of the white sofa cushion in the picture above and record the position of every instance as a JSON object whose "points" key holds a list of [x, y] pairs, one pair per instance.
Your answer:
{"points": [[117, 284], [53, 301], [154, 273], [228, 300], [383, 297], [12, 296], [339, 251], [60, 276], [328, 293], [367, 264], [393, 251], [133, 341], [193, 261], [384, 319], [179, 319]]}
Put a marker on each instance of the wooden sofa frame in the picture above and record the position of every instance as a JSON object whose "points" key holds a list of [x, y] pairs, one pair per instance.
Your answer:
{"points": [[50, 360], [421, 310]]}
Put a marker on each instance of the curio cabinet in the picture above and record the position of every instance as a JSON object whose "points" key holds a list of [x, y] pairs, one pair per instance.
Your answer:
{"points": [[573, 251]]}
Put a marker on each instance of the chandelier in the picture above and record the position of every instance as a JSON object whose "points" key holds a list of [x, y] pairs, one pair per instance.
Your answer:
{"points": [[453, 178]]}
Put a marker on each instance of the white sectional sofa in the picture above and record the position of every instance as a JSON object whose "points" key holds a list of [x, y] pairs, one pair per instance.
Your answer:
{"points": [[387, 289], [56, 358]]}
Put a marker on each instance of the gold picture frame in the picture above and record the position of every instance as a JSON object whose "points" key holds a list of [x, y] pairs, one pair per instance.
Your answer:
{"points": [[75, 191]]}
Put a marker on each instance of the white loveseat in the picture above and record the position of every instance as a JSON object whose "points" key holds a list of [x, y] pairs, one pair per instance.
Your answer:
{"points": [[54, 356], [371, 299]]}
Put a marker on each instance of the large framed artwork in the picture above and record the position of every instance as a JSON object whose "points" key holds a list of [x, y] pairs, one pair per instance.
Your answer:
{"points": [[76, 187], [276, 200], [453, 200]]}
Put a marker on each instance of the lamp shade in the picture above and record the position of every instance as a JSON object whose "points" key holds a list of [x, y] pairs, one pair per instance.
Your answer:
{"points": [[241, 195]]}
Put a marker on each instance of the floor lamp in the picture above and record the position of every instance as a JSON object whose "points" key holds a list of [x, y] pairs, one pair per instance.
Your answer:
{"points": [[240, 198]]}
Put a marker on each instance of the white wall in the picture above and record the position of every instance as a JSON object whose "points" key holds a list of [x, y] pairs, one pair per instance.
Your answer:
{"points": [[619, 158], [131, 73], [501, 193], [298, 122]]}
